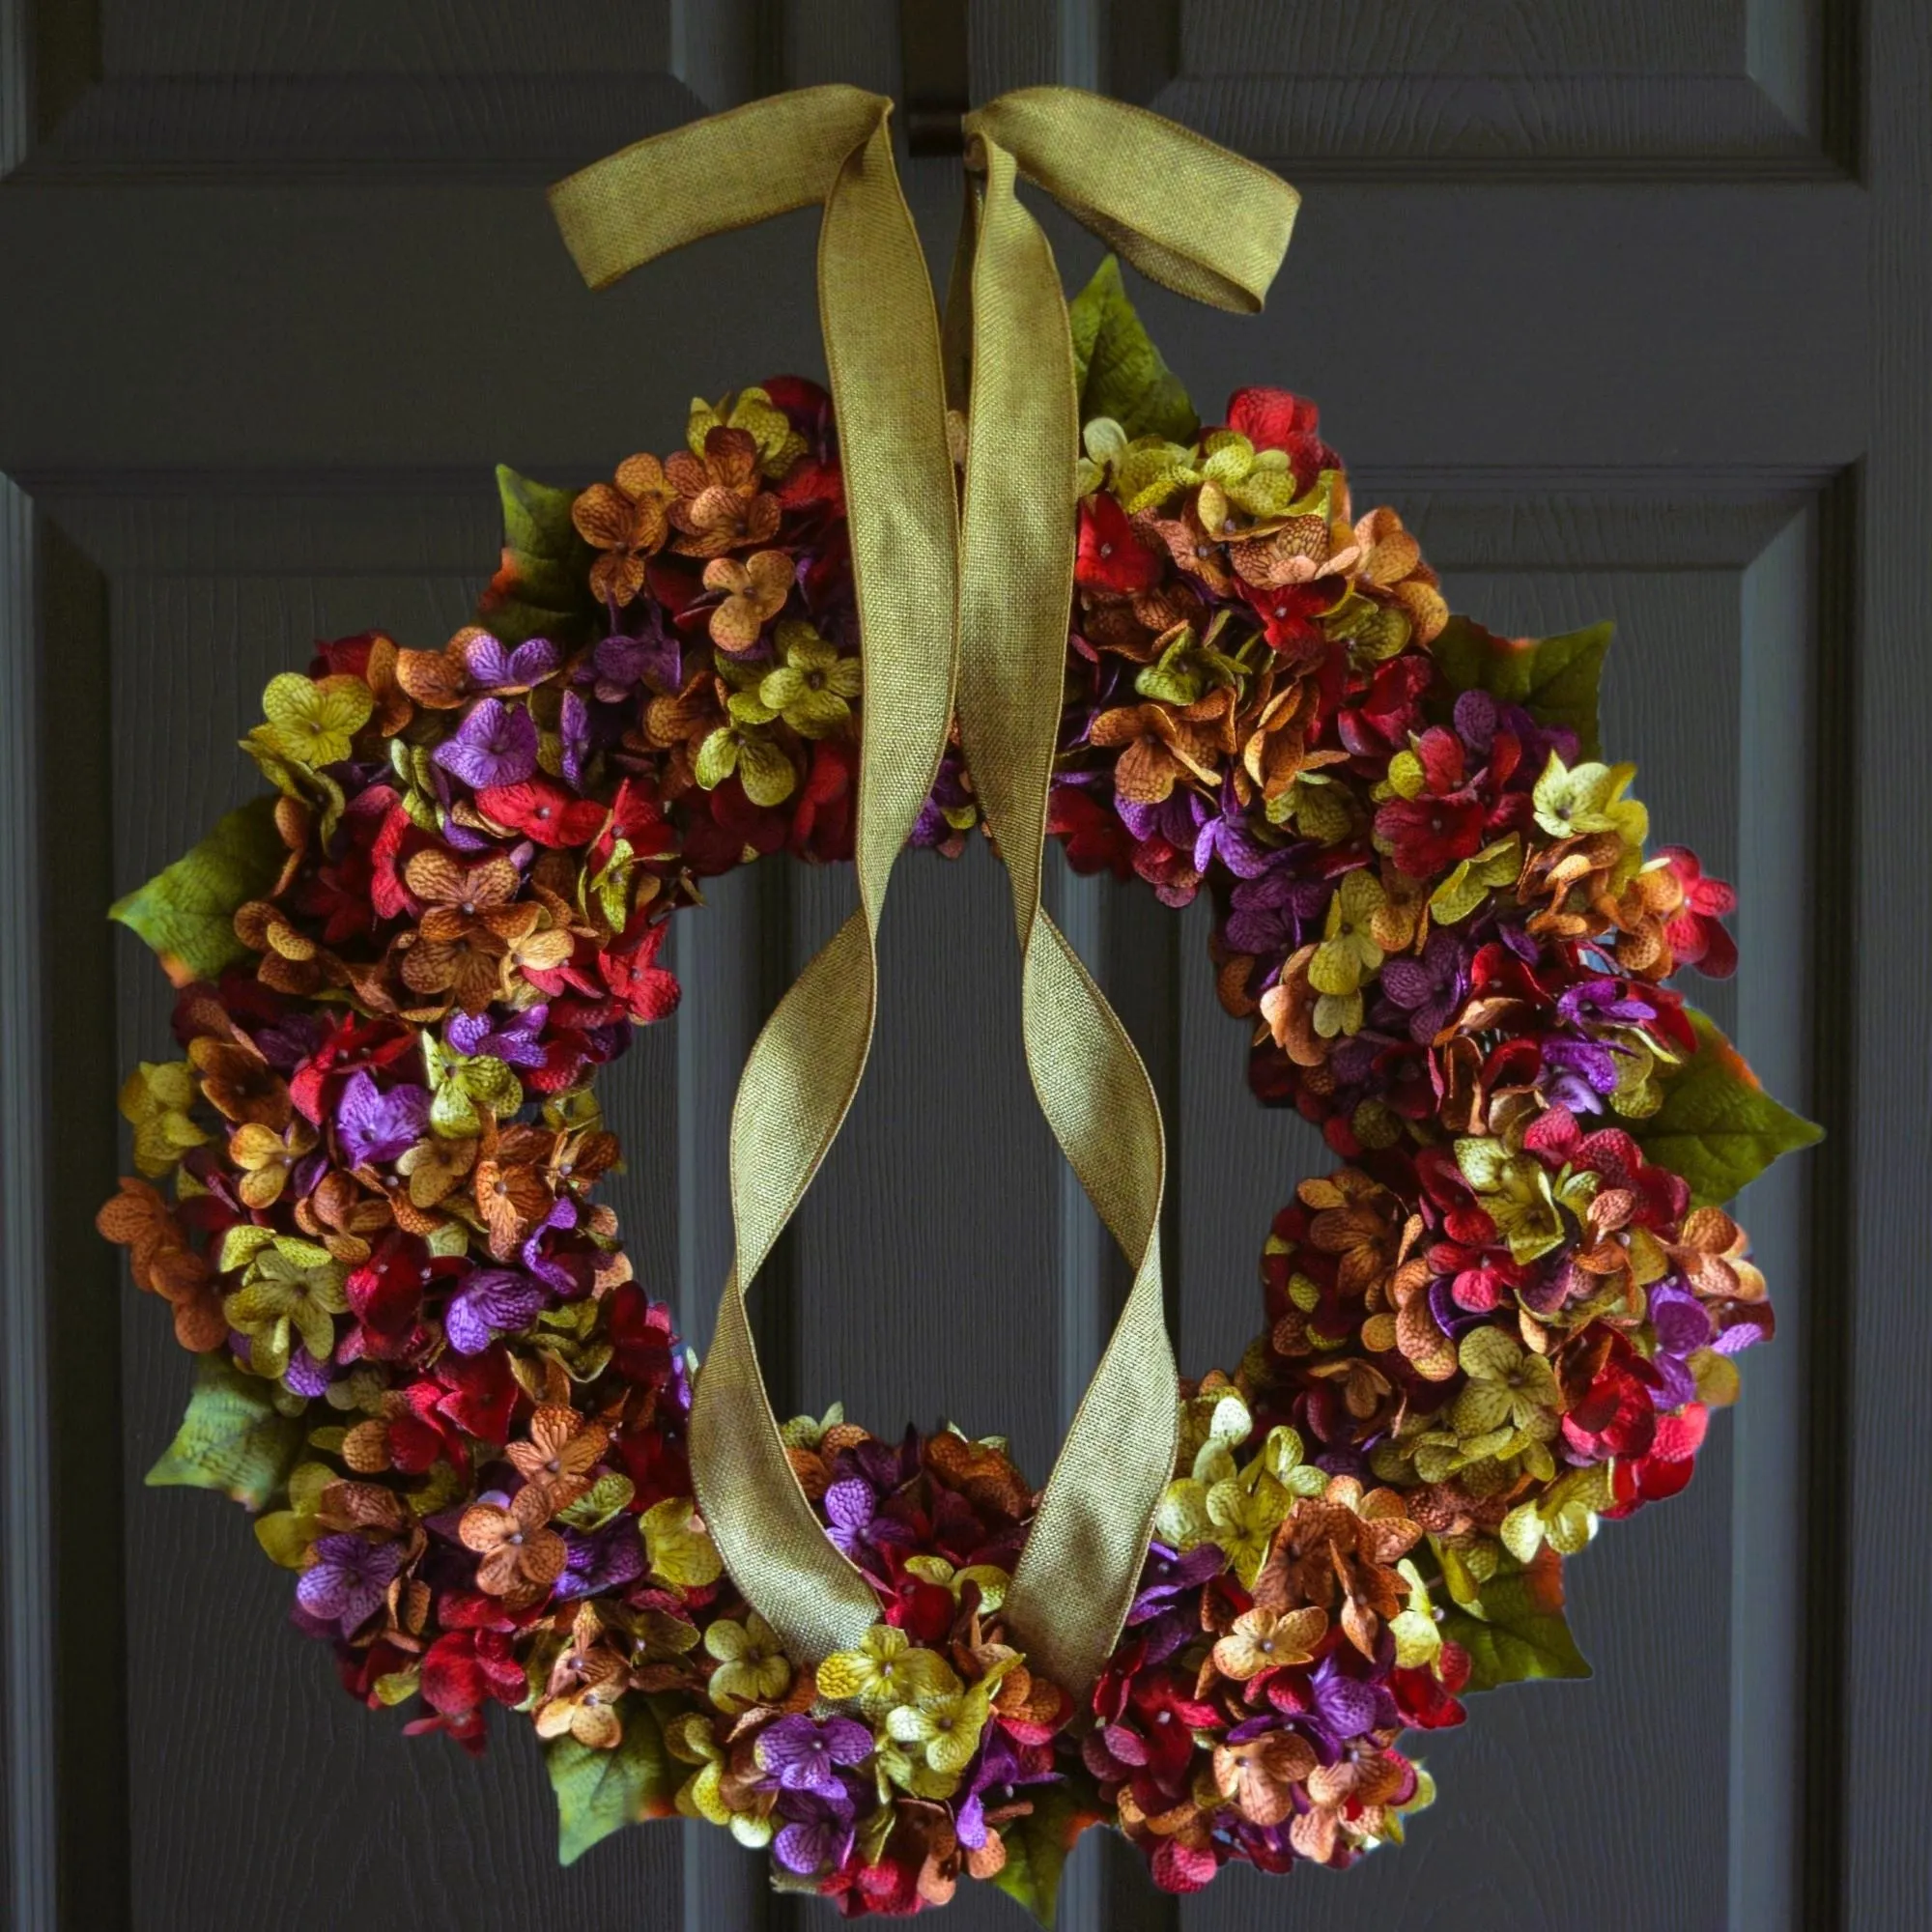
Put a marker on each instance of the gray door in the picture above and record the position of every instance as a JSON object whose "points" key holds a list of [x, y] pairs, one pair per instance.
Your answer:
{"points": [[1625, 305]]}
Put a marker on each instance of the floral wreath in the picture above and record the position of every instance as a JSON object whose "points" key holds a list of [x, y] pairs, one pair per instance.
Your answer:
{"points": [[426, 1367]]}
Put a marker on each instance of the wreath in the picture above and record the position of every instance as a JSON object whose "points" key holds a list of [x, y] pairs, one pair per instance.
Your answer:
{"points": [[424, 1363]]}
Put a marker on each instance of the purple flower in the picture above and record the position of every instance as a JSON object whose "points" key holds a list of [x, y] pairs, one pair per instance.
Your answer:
{"points": [[573, 729], [1602, 1002], [304, 1375], [650, 656], [852, 1504], [491, 1302], [819, 1837], [1345, 1706], [1476, 719], [806, 1756], [600, 1560], [516, 1039], [998, 1775], [1273, 914], [1166, 1576], [348, 1581], [494, 745], [492, 668], [1588, 1059], [1428, 989], [373, 1125], [566, 1272], [1176, 820]]}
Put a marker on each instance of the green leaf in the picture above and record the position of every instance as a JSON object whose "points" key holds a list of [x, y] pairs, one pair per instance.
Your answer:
{"points": [[1516, 1631], [186, 913], [1718, 1128], [599, 1792], [1116, 368], [1037, 1844], [542, 587], [233, 1437], [1554, 679]]}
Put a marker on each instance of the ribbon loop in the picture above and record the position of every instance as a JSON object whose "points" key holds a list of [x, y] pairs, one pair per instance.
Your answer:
{"points": [[1001, 581], [1158, 193], [830, 145]]}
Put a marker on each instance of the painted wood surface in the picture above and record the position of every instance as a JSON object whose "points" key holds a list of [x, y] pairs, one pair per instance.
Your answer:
{"points": [[1624, 307]]}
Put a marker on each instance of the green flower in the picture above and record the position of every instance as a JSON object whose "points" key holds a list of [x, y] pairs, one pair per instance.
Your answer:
{"points": [[942, 1726], [1507, 1406], [680, 1548], [741, 746], [1235, 473], [992, 1580], [752, 1664], [687, 1738], [1347, 952], [1514, 1189], [1475, 878], [155, 1098], [314, 722], [463, 1084], [1418, 1639], [1564, 1516], [1589, 798], [290, 1288], [884, 1673], [813, 687], [1185, 670]]}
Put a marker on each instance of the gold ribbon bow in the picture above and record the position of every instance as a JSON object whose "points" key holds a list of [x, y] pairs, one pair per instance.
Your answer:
{"points": [[1155, 192]]}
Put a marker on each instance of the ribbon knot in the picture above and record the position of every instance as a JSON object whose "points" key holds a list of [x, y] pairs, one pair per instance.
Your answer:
{"points": [[965, 601]]}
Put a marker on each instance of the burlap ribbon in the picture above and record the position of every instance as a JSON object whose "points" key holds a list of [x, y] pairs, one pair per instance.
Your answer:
{"points": [[1156, 192]]}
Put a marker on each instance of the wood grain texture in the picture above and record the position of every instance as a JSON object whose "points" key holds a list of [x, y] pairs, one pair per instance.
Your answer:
{"points": [[421, 87], [1887, 1872], [27, 1403], [1633, 87]]}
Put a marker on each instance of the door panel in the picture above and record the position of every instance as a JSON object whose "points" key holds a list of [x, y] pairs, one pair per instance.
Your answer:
{"points": [[1625, 308]]}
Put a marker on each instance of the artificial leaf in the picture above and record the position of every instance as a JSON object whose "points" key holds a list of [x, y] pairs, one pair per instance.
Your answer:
{"points": [[1116, 368], [542, 588], [599, 1792], [186, 913], [1718, 1128], [233, 1437], [1037, 1843], [1516, 1631], [1554, 679]]}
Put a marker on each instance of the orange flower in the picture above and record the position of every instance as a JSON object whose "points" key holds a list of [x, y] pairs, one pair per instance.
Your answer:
{"points": [[1259, 1776], [758, 590], [238, 1081], [1264, 1639], [509, 1190], [719, 504], [522, 1555], [627, 523], [469, 925], [163, 1263], [563, 1447], [1161, 749], [1391, 566]]}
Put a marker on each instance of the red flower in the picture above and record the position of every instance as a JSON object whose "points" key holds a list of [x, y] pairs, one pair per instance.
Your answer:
{"points": [[639, 1332], [1427, 836], [633, 975], [1287, 611], [1615, 1417], [482, 1393], [1275, 419], [821, 819], [1697, 936], [1093, 836], [542, 810], [462, 1668], [1112, 556]]}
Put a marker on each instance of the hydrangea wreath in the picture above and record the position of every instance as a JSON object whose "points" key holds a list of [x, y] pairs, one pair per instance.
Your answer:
{"points": [[424, 1362]]}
